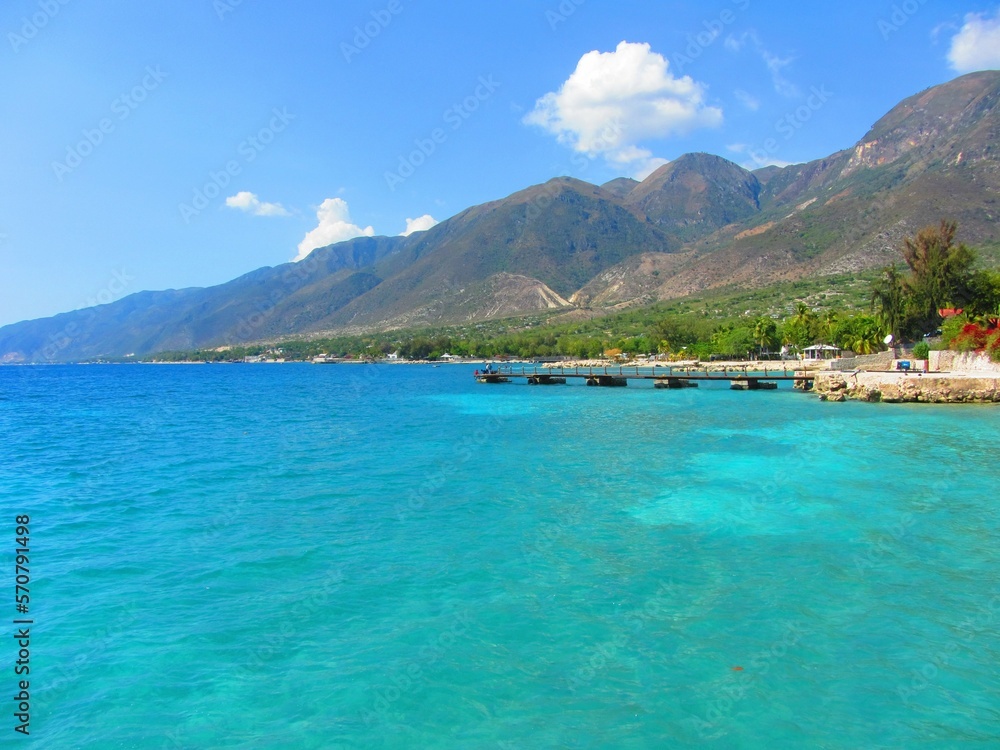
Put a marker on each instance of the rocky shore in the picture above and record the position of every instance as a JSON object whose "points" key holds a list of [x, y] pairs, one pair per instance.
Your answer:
{"points": [[901, 387]]}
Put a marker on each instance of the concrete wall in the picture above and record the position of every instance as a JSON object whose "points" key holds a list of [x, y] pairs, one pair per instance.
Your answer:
{"points": [[975, 363], [941, 361], [969, 362]]}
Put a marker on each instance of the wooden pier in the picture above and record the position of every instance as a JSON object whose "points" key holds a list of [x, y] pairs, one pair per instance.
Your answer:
{"points": [[742, 379]]}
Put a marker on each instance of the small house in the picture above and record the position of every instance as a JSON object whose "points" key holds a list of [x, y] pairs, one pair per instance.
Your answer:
{"points": [[821, 351]]}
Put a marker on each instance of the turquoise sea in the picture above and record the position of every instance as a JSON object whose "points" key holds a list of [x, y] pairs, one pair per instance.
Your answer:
{"points": [[376, 556]]}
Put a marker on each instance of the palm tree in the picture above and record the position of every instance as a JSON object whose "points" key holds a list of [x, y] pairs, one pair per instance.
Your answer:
{"points": [[828, 326], [802, 312], [764, 331], [888, 300], [800, 326], [865, 339]]}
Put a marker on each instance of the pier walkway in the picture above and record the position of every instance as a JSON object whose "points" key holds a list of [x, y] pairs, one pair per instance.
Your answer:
{"points": [[662, 377]]}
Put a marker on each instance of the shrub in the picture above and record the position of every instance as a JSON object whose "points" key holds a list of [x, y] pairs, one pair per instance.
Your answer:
{"points": [[993, 345], [921, 350], [971, 338], [977, 338], [952, 327]]}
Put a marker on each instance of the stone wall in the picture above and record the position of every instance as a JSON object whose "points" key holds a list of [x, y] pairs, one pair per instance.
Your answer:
{"points": [[881, 362], [940, 361]]}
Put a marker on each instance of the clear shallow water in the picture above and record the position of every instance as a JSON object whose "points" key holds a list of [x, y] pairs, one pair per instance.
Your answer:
{"points": [[346, 556]]}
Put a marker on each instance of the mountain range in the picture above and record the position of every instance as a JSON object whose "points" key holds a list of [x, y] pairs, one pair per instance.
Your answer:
{"points": [[696, 223]]}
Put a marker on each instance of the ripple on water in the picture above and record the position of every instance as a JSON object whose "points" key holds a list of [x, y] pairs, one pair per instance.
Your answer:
{"points": [[373, 557]]}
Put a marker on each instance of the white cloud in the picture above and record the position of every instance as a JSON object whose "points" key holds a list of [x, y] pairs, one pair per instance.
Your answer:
{"points": [[757, 158], [774, 63], [335, 225], [615, 100], [781, 84], [420, 224], [747, 100], [640, 162], [247, 201], [945, 27], [976, 46], [735, 43]]}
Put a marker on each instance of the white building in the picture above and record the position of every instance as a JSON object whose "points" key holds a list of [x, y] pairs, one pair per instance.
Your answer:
{"points": [[820, 351]]}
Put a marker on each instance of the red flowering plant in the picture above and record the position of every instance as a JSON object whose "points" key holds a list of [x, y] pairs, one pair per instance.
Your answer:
{"points": [[975, 337], [993, 345]]}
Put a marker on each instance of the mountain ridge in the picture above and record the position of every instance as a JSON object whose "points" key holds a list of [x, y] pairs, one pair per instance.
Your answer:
{"points": [[696, 223]]}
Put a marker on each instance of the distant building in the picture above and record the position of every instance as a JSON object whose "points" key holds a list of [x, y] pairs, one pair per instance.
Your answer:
{"points": [[820, 351]]}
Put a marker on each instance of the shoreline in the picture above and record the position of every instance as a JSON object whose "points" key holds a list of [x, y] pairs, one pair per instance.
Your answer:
{"points": [[903, 387]]}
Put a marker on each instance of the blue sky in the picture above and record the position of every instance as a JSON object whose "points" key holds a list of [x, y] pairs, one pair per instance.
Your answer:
{"points": [[171, 144]]}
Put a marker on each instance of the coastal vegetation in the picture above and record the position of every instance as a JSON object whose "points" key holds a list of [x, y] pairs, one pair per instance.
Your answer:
{"points": [[942, 291], [942, 277], [851, 312]]}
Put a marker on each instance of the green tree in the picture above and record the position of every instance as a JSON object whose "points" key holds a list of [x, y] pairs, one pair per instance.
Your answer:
{"points": [[765, 333], [940, 273], [984, 302], [798, 330], [733, 341], [802, 313], [671, 335], [889, 301], [861, 334], [828, 326]]}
